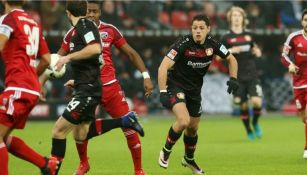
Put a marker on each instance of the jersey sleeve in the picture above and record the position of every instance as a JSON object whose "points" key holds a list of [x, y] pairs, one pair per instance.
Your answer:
{"points": [[66, 41], [7, 25], [175, 51], [286, 51], [88, 32], [119, 39], [43, 47], [219, 48]]}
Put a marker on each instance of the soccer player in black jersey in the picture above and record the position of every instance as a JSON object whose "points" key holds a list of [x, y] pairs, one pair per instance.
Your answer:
{"points": [[241, 44], [180, 80], [84, 57]]}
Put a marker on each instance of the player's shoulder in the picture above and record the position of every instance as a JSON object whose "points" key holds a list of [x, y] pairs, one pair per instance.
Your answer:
{"points": [[184, 40], [211, 40], [69, 33], [108, 27], [293, 35]]}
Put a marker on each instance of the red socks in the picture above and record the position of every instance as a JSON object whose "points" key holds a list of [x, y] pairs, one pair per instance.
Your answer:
{"points": [[4, 159], [82, 150], [20, 149], [134, 145]]}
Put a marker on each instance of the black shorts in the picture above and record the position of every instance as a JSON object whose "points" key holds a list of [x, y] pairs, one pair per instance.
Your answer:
{"points": [[251, 88], [81, 109], [191, 99]]}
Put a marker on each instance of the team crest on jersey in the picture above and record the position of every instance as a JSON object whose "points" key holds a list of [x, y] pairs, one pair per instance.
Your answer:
{"points": [[104, 35], [209, 51], [180, 95], [248, 38], [172, 54]]}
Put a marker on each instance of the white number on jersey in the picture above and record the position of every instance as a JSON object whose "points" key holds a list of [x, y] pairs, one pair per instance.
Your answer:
{"points": [[72, 105], [33, 38]]}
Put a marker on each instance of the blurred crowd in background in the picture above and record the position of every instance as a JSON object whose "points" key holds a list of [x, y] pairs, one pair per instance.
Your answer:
{"points": [[158, 15]]}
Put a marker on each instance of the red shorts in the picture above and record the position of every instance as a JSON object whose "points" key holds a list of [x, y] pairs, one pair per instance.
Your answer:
{"points": [[300, 96], [15, 107], [114, 101]]}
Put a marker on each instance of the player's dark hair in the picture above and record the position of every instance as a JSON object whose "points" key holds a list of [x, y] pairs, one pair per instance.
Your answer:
{"points": [[201, 17], [15, 2], [99, 3], [77, 7], [304, 13]]}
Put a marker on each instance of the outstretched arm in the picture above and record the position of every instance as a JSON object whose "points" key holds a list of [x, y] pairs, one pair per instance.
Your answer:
{"points": [[139, 64]]}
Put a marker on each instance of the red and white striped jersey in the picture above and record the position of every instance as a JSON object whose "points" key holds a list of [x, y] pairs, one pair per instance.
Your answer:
{"points": [[296, 45], [25, 43]]}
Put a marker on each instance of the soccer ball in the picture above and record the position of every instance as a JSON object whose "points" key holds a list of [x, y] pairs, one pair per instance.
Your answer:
{"points": [[51, 70]]}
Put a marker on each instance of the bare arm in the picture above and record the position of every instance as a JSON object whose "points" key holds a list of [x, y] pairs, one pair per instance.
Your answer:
{"points": [[232, 65], [43, 64], [165, 65], [139, 64], [3, 40], [62, 52], [85, 53]]}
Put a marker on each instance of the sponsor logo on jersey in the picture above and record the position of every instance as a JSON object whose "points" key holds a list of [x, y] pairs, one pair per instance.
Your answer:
{"points": [[302, 54], [233, 40], [209, 51], [172, 54], [180, 95], [104, 35], [300, 45], [104, 44], [223, 49], [198, 64]]}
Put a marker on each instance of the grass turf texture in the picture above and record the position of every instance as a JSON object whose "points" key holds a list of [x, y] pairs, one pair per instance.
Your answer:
{"points": [[223, 148]]}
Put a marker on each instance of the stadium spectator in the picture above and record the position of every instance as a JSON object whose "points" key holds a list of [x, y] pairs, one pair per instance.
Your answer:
{"points": [[83, 50], [241, 44], [113, 99], [22, 88], [296, 45], [109, 13], [180, 79], [210, 9], [255, 16]]}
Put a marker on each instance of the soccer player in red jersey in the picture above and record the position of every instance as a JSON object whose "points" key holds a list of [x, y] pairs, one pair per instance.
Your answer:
{"points": [[21, 42], [296, 44], [113, 99]]}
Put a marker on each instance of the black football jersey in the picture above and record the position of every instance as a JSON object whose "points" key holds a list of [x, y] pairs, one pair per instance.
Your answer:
{"points": [[246, 61], [86, 73], [192, 61]]}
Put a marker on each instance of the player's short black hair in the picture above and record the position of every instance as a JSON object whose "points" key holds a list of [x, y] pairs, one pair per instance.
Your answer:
{"points": [[99, 3], [77, 7], [201, 17], [16, 2], [304, 13]]}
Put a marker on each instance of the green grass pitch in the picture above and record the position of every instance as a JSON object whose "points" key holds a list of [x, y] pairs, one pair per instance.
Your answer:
{"points": [[223, 148]]}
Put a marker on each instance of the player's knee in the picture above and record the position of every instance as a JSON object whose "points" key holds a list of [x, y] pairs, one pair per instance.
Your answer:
{"points": [[57, 133], [191, 131], [184, 122]]}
